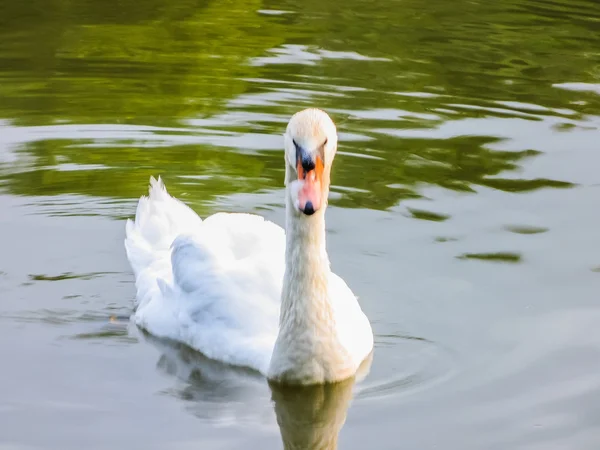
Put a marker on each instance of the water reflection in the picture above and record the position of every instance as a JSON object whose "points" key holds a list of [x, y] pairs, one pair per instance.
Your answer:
{"points": [[131, 62], [311, 417], [202, 163], [212, 391], [439, 100]]}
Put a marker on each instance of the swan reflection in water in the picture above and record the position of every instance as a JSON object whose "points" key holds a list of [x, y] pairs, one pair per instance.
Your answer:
{"points": [[309, 417]]}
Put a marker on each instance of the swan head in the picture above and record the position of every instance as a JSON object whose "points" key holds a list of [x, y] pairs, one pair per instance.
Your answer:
{"points": [[310, 144]]}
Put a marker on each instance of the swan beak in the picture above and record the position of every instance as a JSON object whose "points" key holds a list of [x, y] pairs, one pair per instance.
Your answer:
{"points": [[310, 173]]}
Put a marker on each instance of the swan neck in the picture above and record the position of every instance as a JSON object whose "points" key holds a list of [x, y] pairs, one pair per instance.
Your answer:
{"points": [[305, 238], [307, 349], [307, 269]]}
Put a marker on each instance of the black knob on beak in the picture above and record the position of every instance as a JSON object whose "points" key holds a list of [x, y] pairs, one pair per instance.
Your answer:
{"points": [[307, 163], [304, 158]]}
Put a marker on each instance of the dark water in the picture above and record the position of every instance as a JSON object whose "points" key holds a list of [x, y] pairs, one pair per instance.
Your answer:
{"points": [[465, 215]]}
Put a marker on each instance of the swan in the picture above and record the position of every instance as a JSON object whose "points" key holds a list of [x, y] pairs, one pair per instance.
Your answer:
{"points": [[240, 289]]}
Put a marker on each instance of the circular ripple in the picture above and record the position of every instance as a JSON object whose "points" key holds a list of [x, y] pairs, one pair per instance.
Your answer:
{"points": [[404, 365]]}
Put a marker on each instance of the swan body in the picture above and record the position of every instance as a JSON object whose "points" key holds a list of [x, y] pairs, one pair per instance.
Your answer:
{"points": [[240, 289]]}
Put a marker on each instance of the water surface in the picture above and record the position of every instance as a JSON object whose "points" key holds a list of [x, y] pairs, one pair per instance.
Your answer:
{"points": [[464, 214]]}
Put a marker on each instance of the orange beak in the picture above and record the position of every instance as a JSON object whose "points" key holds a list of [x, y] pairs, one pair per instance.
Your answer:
{"points": [[309, 196]]}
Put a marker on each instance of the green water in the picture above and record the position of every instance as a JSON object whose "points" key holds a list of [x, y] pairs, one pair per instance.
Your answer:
{"points": [[464, 214]]}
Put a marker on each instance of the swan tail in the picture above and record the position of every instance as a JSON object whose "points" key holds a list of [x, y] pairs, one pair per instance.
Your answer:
{"points": [[159, 219]]}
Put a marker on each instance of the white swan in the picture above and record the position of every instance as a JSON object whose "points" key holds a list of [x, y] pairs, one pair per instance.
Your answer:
{"points": [[240, 290]]}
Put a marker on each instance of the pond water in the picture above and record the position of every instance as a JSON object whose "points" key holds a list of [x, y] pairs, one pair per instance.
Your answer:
{"points": [[464, 214]]}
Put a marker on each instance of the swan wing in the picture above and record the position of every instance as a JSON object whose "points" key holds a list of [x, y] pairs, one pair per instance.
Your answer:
{"points": [[214, 285]]}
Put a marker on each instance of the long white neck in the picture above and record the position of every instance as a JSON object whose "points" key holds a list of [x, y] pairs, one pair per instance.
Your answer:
{"points": [[305, 296], [307, 349]]}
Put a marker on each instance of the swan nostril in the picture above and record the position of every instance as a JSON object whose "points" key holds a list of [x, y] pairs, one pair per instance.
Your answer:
{"points": [[309, 210]]}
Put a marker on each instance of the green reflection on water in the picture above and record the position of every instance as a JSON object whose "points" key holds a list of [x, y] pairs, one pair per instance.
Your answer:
{"points": [[383, 72], [117, 62], [507, 257]]}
